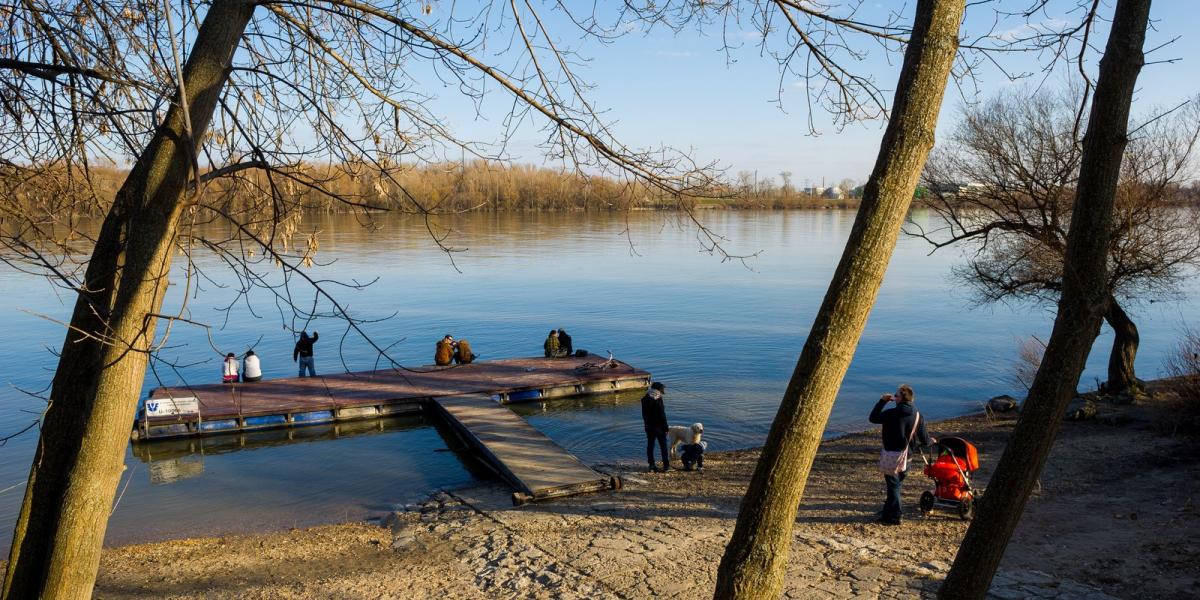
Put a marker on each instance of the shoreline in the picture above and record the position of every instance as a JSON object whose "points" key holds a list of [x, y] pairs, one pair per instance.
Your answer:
{"points": [[1113, 518], [372, 516]]}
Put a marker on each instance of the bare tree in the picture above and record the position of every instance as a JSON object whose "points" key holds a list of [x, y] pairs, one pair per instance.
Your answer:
{"points": [[756, 557], [786, 178], [1182, 364], [1003, 185], [1081, 306], [264, 86]]}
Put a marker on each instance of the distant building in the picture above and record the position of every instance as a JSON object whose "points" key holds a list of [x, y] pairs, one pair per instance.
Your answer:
{"points": [[833, 193], [950, 187]]}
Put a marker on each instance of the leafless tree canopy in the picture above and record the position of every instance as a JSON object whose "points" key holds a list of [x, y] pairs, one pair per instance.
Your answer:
{"points": [[1004, 184]]}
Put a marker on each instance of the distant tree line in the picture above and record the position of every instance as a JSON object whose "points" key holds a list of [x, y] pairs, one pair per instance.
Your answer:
{"points": [[442, 188]]}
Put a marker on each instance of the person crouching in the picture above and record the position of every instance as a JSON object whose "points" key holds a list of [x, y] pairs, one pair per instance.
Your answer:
{"points": [[692, 456]]}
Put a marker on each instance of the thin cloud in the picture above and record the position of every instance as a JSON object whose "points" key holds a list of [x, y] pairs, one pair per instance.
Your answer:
{"points": [[1026, 30]]}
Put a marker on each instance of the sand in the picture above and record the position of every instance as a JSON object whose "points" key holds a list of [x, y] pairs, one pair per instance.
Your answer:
{"points": [[1116, 516]]}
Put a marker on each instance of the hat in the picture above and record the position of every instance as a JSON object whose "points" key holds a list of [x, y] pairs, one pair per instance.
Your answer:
{"points": [[658, 385]]}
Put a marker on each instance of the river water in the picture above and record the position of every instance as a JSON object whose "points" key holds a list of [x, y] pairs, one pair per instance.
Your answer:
{"points": [[723, 336]]}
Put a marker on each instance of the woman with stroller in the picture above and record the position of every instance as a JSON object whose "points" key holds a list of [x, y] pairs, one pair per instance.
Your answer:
{"points": [[902, 425]]}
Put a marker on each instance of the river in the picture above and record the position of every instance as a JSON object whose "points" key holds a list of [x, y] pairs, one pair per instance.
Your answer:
{"points": [[723, 336]]}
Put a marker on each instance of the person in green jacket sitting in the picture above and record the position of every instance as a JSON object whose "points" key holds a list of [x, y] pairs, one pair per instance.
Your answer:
{"points": [[551, 346]]}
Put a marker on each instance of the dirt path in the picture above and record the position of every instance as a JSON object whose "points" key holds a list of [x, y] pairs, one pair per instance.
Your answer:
{"points": [[1116, 516]]}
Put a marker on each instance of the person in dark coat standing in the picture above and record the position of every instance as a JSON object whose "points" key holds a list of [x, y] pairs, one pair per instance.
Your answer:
{"points": [[564, 343], [654, 419], [901, 426], [303, 353]]}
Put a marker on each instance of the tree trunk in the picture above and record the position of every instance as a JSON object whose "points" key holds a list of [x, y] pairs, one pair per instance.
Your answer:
{"points": [[1121, 376], [755, 559], [1080, 307], [77, 465]]}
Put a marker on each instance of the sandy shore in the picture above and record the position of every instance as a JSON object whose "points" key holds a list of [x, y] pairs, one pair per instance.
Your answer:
{"points": [[1116, 516]]}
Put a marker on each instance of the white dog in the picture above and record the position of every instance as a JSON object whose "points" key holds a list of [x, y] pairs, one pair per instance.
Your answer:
{"points": [[679, 434]]}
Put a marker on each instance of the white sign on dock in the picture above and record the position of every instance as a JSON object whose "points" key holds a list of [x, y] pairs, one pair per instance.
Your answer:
{"points": [[172, 407]]}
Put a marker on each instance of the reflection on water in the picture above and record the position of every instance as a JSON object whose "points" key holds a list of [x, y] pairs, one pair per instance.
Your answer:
{"points": [[161, 451], [723, 338]]}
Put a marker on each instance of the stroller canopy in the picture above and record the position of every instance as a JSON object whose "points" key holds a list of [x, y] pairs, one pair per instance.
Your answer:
{"points": [[960, 448]]}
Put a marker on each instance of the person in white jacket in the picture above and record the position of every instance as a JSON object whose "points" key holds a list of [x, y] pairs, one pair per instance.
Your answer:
{"points": [[251, 370], [229, 371]]}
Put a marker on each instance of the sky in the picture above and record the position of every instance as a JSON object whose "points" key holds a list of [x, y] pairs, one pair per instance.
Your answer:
{"points": [[683, 90]]}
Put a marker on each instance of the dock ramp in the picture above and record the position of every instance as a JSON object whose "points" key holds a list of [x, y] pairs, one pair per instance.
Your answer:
{"points": [[535, 466]]}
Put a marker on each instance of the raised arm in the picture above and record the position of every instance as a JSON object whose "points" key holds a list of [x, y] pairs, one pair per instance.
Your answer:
{"points": [[876, 416]]}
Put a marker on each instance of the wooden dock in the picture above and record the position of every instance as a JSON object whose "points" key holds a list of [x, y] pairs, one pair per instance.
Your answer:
{"points": [[299, 401], [529, 461], [470, 398]]}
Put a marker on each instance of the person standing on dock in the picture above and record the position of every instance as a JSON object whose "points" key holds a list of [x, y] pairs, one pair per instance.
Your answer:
{"points": [[443, 354], [251, 369], [564, 343], [229, 370], [303, 352], [654, 419]]}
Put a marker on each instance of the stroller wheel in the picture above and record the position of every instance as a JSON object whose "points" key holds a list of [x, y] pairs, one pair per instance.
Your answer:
{"points": [[966, 508], [926, 502]]}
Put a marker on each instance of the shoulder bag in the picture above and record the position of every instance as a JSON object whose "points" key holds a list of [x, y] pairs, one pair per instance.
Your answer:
{"points": [[895, 462]]}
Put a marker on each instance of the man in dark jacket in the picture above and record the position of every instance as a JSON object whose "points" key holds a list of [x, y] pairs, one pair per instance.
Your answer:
{"points": [[303, 352], [564, 343], [898, 429], [654, 419]]}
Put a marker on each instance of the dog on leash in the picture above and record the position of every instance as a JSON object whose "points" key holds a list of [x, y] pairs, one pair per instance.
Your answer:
{"points": [[681, 434]]}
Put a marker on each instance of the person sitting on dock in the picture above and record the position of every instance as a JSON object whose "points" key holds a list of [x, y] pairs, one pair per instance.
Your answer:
{"points": [[654, 419], [251, 370], [564, 343], [552, 347], [462, 353], [692, 456], [443, 353], [304, 353], [229, 371]]}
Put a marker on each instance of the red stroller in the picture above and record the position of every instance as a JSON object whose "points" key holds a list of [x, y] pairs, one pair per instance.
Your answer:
{"points": [[950, 472]]}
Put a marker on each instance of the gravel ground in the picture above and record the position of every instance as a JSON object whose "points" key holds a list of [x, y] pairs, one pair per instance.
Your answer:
{"points": [[1115, 517]]}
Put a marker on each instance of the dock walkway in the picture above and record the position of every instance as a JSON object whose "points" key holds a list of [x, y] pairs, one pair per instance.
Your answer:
{"points": [[532, 463]]}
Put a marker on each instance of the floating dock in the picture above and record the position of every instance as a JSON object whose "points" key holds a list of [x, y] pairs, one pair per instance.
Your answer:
{"points": [[469, 397]]}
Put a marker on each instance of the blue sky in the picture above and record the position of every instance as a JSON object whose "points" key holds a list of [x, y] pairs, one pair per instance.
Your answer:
{"points": [[682, 90]]}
